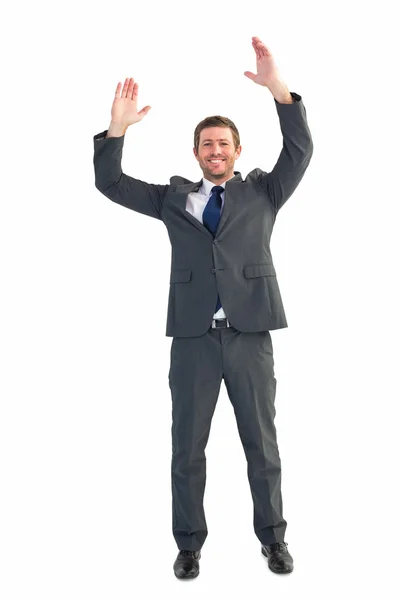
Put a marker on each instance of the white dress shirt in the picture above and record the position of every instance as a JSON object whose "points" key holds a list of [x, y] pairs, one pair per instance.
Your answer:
{"points": [[196, 203]]}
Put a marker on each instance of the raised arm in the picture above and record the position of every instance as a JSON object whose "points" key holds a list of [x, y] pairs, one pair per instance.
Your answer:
{"points": [[142, 197], [297, 149], [295, 155]]}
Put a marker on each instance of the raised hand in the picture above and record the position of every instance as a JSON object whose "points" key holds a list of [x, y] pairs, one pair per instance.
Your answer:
{"points": [[124, 109], [267, 72]]}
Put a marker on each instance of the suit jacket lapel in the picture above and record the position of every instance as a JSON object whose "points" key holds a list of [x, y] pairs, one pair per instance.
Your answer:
{"points": [[230, 197]]}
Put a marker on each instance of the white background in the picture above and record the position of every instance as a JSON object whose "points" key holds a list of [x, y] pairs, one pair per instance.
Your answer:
{"points": [[85, 441]]}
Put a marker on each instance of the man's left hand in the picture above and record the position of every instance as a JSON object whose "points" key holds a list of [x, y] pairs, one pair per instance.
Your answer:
{"points": [[267, 72]]}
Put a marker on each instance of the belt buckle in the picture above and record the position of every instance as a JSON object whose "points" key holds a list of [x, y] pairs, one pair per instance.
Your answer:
{"points": [[224, 320]]}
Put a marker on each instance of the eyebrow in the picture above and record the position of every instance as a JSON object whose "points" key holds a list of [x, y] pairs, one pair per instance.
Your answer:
{"points": [[219, 140]]}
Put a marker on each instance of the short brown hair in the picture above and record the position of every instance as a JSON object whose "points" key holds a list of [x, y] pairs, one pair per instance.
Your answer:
{"points": [[216, 121]]}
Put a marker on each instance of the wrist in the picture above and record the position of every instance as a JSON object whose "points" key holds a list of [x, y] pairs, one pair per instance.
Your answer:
{"points": [[280, 92], [116, 129]]}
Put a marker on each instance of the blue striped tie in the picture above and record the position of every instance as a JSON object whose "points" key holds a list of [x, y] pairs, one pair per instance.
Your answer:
{"points": [[212, 215]]}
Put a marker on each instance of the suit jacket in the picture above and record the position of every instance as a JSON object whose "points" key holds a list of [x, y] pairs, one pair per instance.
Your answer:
{"points": [[237, 264]]}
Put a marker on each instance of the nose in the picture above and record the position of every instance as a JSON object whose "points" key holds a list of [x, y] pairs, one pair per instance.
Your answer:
{"points": [[217, 153], [216, 149]]}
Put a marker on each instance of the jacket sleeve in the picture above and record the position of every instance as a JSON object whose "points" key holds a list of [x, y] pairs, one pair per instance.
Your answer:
{"points": [[295, 156], [142, 197]]}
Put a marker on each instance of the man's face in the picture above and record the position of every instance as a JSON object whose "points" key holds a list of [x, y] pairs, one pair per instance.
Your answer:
{"points": [[217, 143]]}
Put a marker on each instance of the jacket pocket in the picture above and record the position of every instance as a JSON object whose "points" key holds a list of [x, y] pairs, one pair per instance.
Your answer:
{"points": [[180, 275], [260, 270]]}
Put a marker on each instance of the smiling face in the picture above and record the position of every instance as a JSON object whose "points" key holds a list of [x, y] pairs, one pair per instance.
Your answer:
{"points": [[217, 143]]}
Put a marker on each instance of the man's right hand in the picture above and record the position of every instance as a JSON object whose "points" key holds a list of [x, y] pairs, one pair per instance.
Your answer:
{"points": [[124, 110]]}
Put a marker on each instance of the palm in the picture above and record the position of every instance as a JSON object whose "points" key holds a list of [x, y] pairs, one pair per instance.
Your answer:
{"points": [[124, 108], [267, 71]]}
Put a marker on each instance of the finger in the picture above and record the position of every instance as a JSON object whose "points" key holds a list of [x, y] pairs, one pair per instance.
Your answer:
{"points": [[263, 49], [257, 50], [257, 46], [125, 88], [123, 93], [130, 88]]}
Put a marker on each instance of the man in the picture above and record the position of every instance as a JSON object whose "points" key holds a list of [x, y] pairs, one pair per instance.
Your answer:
{"points": [[224, 299]]}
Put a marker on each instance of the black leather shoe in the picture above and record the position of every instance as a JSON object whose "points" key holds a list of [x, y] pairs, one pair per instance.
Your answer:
{"points": [[279, 559], [187, 565]]}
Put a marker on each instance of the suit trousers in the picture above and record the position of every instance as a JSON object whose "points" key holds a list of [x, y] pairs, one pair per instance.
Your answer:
{"points": [[198, 364]]}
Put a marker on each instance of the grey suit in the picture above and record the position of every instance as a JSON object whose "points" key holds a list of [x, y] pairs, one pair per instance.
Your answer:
{"points": [[236, 264]]}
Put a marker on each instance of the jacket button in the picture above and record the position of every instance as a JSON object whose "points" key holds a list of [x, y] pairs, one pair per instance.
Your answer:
{"points": [[215, 241], [213, 270]]}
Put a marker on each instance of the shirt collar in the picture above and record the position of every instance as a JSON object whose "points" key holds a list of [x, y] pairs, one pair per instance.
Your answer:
{"points": [[207, 185]]}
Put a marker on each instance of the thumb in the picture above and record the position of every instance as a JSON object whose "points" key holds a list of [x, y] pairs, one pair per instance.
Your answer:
{"points": [[250, 75], [144, 111]]}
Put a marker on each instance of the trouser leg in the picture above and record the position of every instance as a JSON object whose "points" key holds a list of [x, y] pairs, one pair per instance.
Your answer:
{"points": [[194, 378], [248, 371]]}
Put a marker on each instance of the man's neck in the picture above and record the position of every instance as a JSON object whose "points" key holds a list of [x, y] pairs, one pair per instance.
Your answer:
{"points": [[220, 182]]}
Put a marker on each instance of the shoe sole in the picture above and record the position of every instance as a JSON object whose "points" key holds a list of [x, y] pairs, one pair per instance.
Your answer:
{"points": [[264, 552]]}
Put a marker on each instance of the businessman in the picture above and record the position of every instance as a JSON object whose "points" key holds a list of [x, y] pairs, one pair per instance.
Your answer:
{"points": [[223, 300]]}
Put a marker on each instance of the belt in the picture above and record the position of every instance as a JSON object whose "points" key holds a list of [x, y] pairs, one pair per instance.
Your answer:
{"points": [[220, 323]]}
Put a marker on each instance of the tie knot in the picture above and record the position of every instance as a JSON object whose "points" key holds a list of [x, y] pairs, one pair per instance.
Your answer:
{"points": [[217, 188]]}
